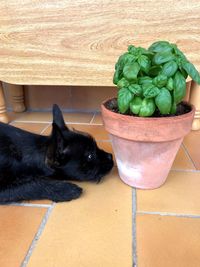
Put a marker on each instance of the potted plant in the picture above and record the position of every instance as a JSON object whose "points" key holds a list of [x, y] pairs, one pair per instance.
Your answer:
{"points": [[149, 119]]}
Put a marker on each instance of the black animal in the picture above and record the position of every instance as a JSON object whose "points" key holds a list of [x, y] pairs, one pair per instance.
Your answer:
{"points": [[35, 167]]}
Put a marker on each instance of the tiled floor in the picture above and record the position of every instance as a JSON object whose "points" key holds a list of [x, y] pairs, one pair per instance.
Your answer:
{"points": [[111, 225]]}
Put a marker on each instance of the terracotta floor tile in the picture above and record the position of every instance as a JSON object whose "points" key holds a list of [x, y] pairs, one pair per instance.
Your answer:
{"points": [[192, 144], [31, 127], [47, 117], [78, 117], [164, 241], [45, 201], [97, 131], [18, 226], [34, 116], [95, 230], [97, 119], [182, 161], [13, 115], [180, 194]]}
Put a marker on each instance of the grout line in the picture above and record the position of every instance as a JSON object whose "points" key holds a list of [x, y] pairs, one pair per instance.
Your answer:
{"points": [[93, 118], [188, 155], [29, 205], [186, 170], [27, 121], [134, 240], [45, 128], [66, 122], [168, 214], [37, 236]]}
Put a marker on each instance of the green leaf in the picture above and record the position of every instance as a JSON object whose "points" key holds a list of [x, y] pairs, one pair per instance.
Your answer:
{"points": [[135, 89], [164, 101], [126, 58], [169, 68], [178, 52], [179, 87], [135, 105], [191, 71], [144, 63], [145, 80], [117, 75], [123, 100], [162, 57], [184, 73], [151, 91], [130, 71], [160, 80], [122, 83], [154, 70], [173, 108], [161, 46], [132, 49], [145, 52], [147, 108], [170, 84]]}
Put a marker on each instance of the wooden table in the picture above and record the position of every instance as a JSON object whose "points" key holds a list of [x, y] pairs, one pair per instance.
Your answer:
{"points": [[67, 42]]}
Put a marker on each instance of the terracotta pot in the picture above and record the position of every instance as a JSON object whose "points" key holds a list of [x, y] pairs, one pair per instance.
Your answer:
{"points": [[145, 148]]}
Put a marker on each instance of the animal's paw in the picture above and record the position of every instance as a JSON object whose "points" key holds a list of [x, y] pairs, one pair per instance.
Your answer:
{"points": [[65, 192]]}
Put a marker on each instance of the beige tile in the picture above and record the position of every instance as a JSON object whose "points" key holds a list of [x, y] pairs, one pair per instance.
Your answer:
{"points": [[18, 226], [97, 131], [95, 230], [192, 144], [164, 241], [97, 119], [182, 161], [31, 127], [180, 194]]}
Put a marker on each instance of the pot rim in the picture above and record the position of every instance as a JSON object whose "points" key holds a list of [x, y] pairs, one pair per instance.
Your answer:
{"points": [[177, 117], [147, 129]]}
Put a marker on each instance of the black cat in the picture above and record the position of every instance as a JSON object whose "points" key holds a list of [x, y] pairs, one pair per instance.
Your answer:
{"points": [[34, 167]]}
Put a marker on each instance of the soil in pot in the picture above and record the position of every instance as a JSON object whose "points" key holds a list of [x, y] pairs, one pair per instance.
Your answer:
{"points": [[182, 108]]}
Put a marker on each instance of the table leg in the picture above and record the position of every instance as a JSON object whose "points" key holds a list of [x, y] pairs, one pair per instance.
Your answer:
{"points": [[3, 115], [17, 97]]}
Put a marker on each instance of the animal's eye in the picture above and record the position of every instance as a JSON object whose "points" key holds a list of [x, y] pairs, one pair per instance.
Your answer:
{"points": [[89, 156]]}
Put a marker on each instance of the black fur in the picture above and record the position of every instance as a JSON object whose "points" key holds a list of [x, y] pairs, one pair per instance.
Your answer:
{"points": [[36, 167]]}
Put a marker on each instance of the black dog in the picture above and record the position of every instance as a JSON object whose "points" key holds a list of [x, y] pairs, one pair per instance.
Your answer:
{"points": [[35, 167]]}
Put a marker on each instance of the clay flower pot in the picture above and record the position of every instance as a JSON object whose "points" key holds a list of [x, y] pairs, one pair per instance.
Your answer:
{"points": [[145, 148]]}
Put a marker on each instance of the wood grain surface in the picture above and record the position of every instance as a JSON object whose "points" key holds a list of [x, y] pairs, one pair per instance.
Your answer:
{"points": [[63, 42]]}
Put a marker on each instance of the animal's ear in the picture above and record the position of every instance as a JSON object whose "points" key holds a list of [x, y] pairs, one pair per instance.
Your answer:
{"points": [[58, 118], [57, 147]]}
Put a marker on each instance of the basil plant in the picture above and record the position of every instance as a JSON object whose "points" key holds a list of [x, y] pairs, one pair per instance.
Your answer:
{"points": [[152, 79]]}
